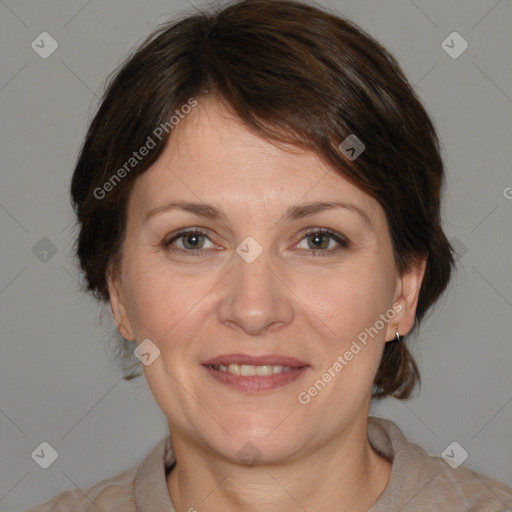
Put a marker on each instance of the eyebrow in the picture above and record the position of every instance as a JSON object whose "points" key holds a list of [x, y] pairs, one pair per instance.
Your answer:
{"points": [[295, 212]]}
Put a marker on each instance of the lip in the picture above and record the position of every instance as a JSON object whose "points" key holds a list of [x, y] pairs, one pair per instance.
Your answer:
{"points": [[256, 384], [269, 359]]}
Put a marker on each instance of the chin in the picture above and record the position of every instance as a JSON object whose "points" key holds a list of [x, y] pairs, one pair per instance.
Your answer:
{"points": [[250, 451], [250, 443]]}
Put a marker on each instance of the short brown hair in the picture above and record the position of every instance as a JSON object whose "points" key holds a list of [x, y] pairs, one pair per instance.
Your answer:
{"points": [[292, 72]]}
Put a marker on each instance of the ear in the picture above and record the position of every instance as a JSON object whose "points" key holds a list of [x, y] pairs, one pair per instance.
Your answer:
{"points": [[406, 295], [118, 306]]}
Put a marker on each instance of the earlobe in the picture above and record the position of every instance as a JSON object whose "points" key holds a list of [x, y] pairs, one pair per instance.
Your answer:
{"points": [[118, 308], [410, 285]]}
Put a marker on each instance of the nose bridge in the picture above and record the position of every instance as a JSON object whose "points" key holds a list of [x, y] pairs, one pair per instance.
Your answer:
{"points": [[253, 272], [254, 297]]}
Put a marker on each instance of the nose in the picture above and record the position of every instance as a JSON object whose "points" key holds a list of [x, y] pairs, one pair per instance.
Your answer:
{"points": [[256, 298]]}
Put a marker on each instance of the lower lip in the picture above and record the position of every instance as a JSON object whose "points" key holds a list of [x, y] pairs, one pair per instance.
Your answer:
{"points": [[255, 383]]}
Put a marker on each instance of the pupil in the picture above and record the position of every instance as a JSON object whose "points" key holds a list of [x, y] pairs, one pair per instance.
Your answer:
{"points": [[193, 237], [316, 239]]}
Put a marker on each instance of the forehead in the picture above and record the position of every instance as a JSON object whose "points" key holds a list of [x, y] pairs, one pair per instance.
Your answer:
{"points": [[212, 157]]}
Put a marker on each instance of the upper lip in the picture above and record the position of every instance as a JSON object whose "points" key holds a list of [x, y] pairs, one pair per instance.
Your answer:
{"points": [[270, 359]]}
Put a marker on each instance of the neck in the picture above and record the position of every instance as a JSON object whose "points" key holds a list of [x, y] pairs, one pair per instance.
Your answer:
{"points": [[345, 474]]}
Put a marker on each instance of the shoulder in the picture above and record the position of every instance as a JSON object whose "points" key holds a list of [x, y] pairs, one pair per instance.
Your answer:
{"points": [[424, 481], [145, 483], [113, 494], [474, 491]]}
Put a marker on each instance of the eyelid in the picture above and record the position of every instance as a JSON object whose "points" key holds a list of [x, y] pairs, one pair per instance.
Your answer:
{"points": [[324, 231], [341, 240], [186, 231]]}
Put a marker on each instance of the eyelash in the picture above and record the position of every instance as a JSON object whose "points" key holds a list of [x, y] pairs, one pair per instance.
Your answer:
{"points": [[343, 243]]}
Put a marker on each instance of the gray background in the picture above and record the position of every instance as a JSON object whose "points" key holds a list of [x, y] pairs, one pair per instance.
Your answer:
{"points": [[57, 382]]}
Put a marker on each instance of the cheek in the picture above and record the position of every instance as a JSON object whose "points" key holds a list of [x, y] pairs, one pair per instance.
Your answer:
{"points": [[348, 305], [163, 302], [347, 300]]}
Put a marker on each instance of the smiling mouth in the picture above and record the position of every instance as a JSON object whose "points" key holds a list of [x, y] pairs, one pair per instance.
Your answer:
{"points": [[255, 374], [246, 370], [255, 379]]}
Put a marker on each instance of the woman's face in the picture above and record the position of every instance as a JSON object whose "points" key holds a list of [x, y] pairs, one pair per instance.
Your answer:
{"points": [[257, 282]]}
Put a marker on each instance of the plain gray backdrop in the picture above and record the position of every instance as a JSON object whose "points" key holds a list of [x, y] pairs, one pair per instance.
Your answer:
{"points": [[57, 381]]}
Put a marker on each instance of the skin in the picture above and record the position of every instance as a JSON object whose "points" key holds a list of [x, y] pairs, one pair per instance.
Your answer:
{"points": [[288, 301]]}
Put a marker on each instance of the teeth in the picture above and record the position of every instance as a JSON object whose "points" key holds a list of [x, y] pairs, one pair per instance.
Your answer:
{"points": [[248, 370], [234, 368]]}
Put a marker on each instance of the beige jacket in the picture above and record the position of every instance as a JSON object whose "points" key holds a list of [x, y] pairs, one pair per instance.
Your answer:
{"points": [[419, 483]]}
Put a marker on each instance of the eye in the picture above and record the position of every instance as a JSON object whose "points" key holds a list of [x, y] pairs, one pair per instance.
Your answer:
{"points": [[319, 240], [192, 241]]}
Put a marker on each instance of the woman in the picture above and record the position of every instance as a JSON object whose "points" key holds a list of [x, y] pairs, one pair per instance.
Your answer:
{"points": [[258, 198]]}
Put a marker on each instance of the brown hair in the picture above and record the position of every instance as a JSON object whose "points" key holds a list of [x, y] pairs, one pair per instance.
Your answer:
{"points": [[294, 73]]}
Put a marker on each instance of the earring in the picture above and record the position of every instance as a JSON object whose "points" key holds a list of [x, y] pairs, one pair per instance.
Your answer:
{"points": [[397, 334]]}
